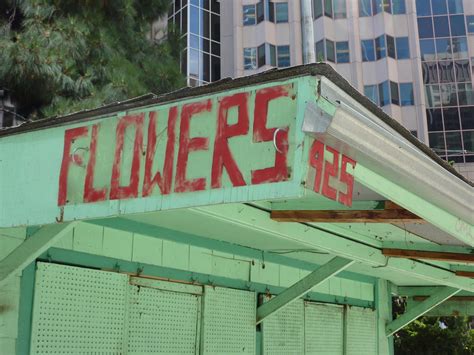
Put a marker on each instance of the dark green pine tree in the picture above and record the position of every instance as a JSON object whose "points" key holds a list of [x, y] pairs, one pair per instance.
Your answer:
{"points": [[61, 56]]}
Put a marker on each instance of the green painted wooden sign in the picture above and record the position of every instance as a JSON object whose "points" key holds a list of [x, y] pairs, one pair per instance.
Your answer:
{"points": [[235, 146]]}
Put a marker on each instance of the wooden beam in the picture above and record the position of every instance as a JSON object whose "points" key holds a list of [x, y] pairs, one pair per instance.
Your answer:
{"points": [[429, 255], [453, 298], [31, 248], [431, 302], [465, 273], [321, 274], [361, 216]]}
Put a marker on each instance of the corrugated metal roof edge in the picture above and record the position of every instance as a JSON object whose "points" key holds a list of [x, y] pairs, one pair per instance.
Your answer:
{"points": [[321, 69]]}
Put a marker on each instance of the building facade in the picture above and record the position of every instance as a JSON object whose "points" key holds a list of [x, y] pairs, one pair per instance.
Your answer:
{"points": [[414, 58]]}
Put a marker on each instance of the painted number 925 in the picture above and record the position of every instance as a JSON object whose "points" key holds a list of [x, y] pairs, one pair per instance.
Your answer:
{"points": [[335, 169]]}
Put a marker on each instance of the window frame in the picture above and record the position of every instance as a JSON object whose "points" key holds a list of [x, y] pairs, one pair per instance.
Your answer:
{"points": [[279, 56], [254, 15], [364, 50], [342, 52], [403, 101], [253, 58]]}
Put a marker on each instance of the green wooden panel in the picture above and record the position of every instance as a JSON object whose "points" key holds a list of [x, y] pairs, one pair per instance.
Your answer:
{"points": [[162, 322], [228, 325], [78, 310], [324, 329], [283, 332], [361, 331]]}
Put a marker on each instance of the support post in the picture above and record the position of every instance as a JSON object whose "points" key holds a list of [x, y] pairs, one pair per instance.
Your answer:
{"points": [[31, 248], [420, 309], [307, 32], [295, 291]]}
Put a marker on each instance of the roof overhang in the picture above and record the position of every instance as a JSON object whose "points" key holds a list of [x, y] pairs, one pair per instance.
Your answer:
{"points": [[231, 152]]}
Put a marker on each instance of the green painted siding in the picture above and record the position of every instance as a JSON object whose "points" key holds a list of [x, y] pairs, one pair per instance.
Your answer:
{"points": [[182, 256]]}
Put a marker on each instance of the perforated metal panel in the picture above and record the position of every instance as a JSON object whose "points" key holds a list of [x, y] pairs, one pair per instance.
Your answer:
{"points": [[228, 321], [361, 338], [283, 332], [324, 329], [163, 322], [78, 311]]}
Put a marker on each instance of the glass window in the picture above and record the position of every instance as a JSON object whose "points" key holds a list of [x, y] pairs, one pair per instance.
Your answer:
{"points": [[206, 67], [470, 24], [403, 48], [194, 20], [448, 95], [281, 12], [372, 93], [377, 6], [249, 15], [270, 11], [437, 143], [439, 7], [468, 138], [460, 50], [328, 8], [423, 8], [215, 6], [433, 96], [446, 71], [427, 48], [330, 51], [368, 50], [317, 8], [365, 8], [398, 7], [215, 48], [441, 26], [443, 49], [250, 58], [215, 27], [339, 9], [430, 72], [466, 94], [434, 119], [194, 42], [453, 143], [455, 6], [272, 54], [467, 117], [216, 68], [425, 27], [193, 63], [261, 55], [320, 53], [380, 49], [384, 93], [462, 70], [204, 23], [394, 93], [451, 119], [342, 52], [387, 6], [283, 56], [391, 47], [260, 12], [406, 94], [458, 27]]}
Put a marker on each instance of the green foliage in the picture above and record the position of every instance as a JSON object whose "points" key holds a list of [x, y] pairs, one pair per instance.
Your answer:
{"points": [[60, 56], [426, 336]]}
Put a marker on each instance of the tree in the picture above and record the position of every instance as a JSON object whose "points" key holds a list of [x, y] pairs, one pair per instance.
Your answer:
{"points": [[61, 56], [433, 335]]}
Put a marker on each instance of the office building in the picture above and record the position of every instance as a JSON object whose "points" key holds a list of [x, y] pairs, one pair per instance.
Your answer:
{"points": [[414, 58]]}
